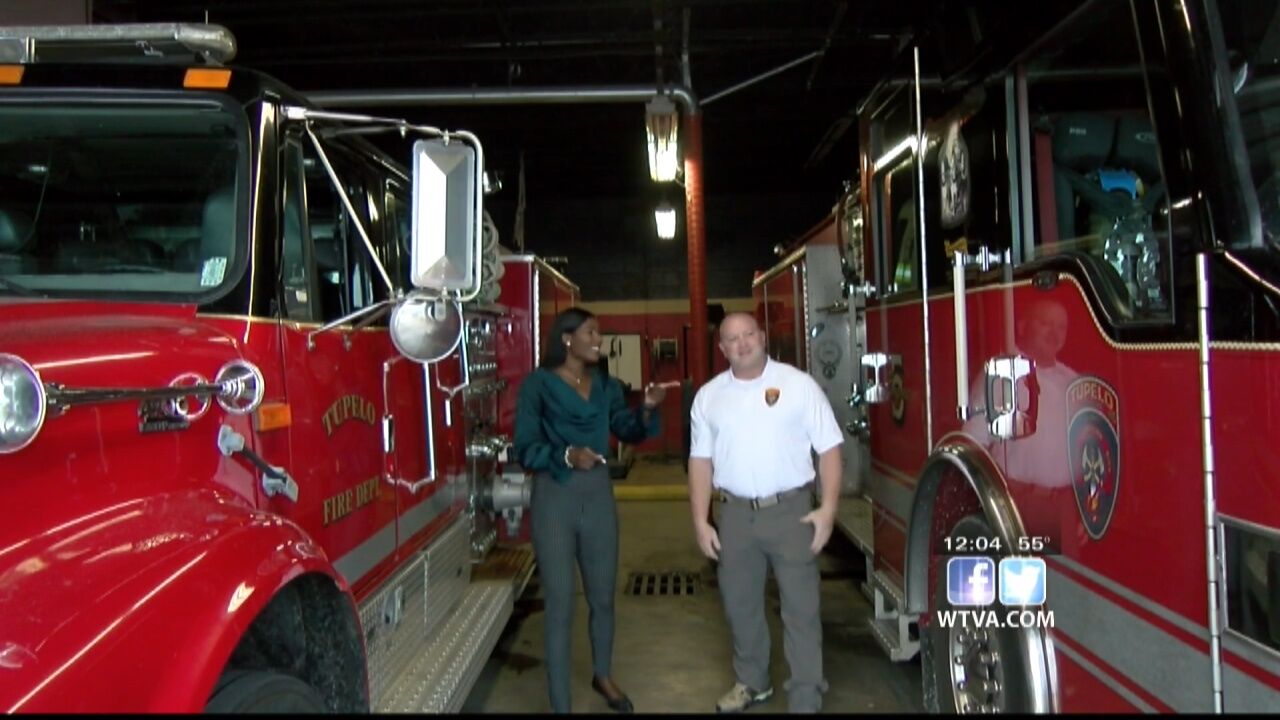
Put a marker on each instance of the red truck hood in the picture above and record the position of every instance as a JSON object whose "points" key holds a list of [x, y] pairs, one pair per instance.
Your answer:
{"points": [[106, 344]]}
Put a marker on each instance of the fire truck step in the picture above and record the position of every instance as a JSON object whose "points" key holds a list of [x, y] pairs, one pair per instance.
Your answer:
{"points": [[507, 562], [853, 517], [896, 631], [446, 668], [896, 637], [888, 587]]}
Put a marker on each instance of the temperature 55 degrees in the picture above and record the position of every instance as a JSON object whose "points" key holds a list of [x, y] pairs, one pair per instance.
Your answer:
{"points": [[981, 544]]}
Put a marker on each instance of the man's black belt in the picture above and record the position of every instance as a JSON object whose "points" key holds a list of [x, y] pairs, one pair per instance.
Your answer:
{"points": [[767, 500]]}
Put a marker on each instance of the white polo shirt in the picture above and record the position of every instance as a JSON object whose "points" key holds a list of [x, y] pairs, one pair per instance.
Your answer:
{"points": [[757, 449]]}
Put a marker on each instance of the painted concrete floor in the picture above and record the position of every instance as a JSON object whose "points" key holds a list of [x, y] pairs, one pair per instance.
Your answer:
{"points": [[672, 654]]}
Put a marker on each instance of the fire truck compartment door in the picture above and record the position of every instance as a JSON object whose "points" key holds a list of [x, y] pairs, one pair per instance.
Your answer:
{"points": [[834, 350]]}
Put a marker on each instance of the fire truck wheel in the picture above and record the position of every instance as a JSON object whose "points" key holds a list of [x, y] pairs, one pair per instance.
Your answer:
{"points": [[261, 691], [969, 669]]}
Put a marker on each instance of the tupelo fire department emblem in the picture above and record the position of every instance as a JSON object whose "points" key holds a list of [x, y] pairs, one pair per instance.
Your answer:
{"points": [[1093, 451], [771, 396]]}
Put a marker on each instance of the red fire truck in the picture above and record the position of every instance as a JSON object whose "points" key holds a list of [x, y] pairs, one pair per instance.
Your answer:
{"points": [[1063, 279], [249, 370]]}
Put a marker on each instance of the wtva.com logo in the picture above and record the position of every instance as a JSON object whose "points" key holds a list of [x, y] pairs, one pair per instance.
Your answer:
{"points": [[972, 583]]}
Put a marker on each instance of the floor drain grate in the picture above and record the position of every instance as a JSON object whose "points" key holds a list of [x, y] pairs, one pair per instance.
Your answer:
{"points": [[662, 583]]}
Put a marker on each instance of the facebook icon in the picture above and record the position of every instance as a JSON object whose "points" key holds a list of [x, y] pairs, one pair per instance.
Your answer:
{"points": [[971, 581]]}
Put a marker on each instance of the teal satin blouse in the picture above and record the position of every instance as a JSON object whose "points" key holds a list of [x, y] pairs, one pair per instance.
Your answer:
{"points": [[551, 416]]}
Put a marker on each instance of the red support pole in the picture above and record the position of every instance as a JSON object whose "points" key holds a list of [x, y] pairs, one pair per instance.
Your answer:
{"points": [[696, 234]]}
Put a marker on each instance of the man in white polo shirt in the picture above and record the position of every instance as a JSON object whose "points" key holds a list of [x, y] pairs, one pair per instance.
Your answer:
{"points": [[753, 427]]}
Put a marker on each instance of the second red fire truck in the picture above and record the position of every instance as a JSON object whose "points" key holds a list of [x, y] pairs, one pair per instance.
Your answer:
{"points": [[1062, 302]]}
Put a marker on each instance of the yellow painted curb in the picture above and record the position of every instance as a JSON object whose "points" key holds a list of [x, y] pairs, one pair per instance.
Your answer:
{"points": [[671, 491]]}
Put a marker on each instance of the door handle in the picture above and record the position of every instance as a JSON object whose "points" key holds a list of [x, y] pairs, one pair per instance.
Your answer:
{"points": [[1005, 374], [876, 370]]}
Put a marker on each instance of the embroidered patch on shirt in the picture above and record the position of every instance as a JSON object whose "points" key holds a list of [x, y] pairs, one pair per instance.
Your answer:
{"points": [[771, 396]]}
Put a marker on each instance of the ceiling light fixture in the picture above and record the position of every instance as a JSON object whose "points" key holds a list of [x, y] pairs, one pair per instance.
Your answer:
{"points": [[662, 132], [664, 216]]}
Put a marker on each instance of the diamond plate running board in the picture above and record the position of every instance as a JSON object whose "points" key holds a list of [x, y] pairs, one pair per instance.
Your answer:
{"points": [[444, 671]]}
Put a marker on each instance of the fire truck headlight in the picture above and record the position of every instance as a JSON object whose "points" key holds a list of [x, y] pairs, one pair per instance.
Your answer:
{"points": [[22, 403]]}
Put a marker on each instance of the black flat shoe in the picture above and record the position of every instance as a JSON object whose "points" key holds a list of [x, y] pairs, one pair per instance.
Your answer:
{"points": [[622, 704]]}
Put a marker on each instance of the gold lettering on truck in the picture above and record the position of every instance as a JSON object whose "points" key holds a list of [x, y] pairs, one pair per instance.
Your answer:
{"points": [[347, 408], [338, 506]]}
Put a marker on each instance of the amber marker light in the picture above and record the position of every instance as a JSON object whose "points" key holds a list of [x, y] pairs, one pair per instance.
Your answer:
{"points": [[273, 416], [11, 74], [207, 79]]}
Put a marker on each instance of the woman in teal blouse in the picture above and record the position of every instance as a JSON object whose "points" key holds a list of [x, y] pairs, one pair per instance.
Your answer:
{"points": [[564, 415]]}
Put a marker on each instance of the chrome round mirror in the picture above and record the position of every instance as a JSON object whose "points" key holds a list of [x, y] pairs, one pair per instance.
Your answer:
{"points": [[242, 387], [426, 329]]}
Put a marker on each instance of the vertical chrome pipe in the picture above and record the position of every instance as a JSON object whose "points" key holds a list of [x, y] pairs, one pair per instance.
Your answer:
{"points": [[962, 338], [924, 259], [1210, 499]]}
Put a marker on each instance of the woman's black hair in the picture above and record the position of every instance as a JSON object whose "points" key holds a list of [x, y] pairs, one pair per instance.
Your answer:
{"points": [[566, 323]]}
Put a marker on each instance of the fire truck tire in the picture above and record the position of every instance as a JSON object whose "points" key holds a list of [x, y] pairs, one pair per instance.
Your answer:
{"points": [[262, 691], [969, 670]]}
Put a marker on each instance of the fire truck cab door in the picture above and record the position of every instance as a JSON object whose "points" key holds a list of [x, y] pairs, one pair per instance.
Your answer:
{"points": [[893, 372], [334, 379], [415, 427], [892, 366]]}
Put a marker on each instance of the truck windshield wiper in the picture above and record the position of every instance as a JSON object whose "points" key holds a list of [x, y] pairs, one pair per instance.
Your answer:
{"points": [[127, 268]]}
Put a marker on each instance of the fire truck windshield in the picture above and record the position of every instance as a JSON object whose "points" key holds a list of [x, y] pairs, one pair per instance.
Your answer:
{"points": [[120, 199]]}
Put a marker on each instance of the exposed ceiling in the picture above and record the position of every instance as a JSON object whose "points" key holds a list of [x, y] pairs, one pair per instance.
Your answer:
{"points": [[788, 135]]}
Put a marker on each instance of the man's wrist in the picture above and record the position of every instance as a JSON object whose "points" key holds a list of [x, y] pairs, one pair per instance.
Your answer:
{"points": [[567, 461]]}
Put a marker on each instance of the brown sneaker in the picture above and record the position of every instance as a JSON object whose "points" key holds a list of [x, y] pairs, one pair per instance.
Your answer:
{"points": [[740, 697]]}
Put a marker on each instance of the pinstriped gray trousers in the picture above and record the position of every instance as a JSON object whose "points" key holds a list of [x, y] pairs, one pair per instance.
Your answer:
{"points": [[575, 522]]}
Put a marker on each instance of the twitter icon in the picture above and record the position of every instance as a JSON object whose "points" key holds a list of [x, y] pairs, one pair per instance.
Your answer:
{"points": [[1022, 581]]}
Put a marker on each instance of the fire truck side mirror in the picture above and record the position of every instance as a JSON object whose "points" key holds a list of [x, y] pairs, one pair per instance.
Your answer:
{"points": [[1012, 395], [446, 211], [426, 329]]}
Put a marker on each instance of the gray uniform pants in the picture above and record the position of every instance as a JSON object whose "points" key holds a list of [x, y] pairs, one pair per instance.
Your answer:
{"points": [[750, 542], [575, 523]]}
